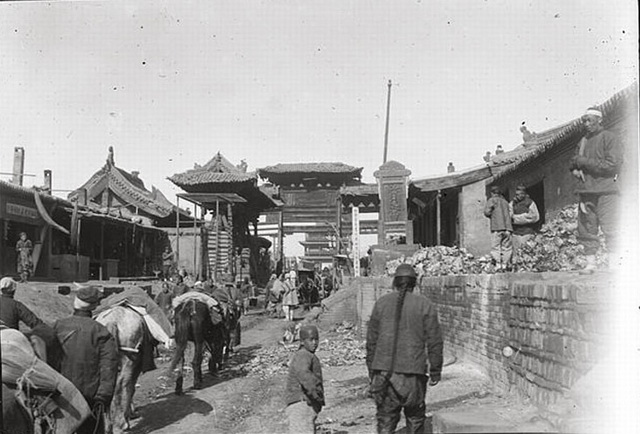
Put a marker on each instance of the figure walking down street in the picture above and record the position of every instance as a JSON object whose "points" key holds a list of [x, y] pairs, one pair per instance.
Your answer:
{"points": [[596, 166], [497, 210], [90, 358], [290, 296], [524, 214], [12, 311], [304, 389], [402, 326], [24, 247], [167, 262]]}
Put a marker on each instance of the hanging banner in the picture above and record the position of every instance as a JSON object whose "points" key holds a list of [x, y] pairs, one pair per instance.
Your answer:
{"points": [[355, 242]]}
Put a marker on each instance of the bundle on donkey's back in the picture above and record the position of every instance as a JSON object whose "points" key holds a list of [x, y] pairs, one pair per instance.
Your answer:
{"points": [[35, 396], [137, 324], [199, 319]]}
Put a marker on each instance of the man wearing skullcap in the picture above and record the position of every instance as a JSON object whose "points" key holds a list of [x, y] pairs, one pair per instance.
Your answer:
{"points": [[403, 332], [13, 311], [90, 358], [596, 166]]}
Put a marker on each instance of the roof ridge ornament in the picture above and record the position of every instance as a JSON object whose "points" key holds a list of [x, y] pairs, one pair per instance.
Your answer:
{"points": [[110, 158]]}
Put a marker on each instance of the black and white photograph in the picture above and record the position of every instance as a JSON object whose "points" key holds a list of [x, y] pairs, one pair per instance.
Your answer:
{"points": [[331, 217]]}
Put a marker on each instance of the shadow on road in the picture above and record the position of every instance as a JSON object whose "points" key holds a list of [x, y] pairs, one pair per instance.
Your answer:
{"points": [[235, 367], [167, 410]]}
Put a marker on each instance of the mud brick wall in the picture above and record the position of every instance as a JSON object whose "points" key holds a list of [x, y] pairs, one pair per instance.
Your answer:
{"points": [[474, 316], [560, 329], [556, 324]]}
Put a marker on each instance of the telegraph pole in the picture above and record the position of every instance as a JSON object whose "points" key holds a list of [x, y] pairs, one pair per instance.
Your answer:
{"points": [[386, 128]]}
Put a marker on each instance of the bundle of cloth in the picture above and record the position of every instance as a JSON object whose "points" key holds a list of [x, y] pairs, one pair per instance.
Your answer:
{"points": [[216, 311], [138, 300], [24, 371]]}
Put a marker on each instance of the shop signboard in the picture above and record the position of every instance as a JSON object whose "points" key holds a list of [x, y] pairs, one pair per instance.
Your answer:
{"points": [[16, 209]]}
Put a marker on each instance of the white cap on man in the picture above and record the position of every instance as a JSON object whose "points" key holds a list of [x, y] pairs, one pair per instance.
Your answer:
{"points": [[593, 111], [7, 284]]}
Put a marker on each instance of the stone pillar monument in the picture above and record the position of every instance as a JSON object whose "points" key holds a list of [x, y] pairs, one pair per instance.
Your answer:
{"points": [[393, 225]]}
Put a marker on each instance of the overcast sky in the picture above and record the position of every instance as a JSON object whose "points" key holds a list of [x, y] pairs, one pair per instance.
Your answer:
{"points": [[169, 84]]}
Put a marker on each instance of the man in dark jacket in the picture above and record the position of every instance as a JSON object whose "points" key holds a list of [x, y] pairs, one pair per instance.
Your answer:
{"points": [[401, 327], [596, 166], [525, 214], [12, 311], [90, 358], [497, 210]]}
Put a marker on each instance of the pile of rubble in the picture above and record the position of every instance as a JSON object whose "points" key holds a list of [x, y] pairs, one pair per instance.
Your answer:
{"points": [[340, 347], [271, 361], [554, 248], [344, 348], [442, 261]]}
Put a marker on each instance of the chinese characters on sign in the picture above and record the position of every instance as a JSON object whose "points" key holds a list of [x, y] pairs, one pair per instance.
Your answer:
{"points": [[22, 211]]}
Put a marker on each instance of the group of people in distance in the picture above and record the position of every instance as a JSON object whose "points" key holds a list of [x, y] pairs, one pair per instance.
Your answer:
{"points": [[285, 293], [596, 166]]}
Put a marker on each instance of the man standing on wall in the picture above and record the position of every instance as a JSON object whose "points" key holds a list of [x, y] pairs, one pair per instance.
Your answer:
{"points": [[524, 215], [596, 165], [402, 326]]}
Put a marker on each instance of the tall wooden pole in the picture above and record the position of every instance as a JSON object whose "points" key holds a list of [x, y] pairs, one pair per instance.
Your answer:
{"points": [[217, 255], [438, 218], [281, 237], [195, 243], [386, 128], [178, 233]]}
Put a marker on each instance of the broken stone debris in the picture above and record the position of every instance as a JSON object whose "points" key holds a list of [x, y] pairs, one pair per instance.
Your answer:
{"points": [[554, 248], [340, 347]]}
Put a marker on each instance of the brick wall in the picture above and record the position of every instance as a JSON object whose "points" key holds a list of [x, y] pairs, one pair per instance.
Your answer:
{"points": [[474, 316], [556, 324]]}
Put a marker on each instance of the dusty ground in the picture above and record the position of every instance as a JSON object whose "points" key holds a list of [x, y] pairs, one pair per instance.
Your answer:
{"points": [[247, 396]]}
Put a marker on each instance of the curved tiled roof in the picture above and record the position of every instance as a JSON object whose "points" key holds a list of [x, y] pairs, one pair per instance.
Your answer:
{"points": [[217, 170], [285, 168], [202, 176], [143, 199], [542, 142], [27, 192], [359, 190], [129, 187]]}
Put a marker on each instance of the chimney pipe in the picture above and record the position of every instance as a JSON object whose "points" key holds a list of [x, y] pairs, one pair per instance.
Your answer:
{"points": [[451, 168], [47, 181], [18, 165], [82, 196]]}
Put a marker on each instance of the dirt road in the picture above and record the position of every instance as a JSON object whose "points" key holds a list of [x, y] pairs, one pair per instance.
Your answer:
{"points": [[226, 402], [247, 397]]}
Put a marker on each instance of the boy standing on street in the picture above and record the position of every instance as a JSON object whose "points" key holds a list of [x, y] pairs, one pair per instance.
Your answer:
{"points": [[304, 389], [497, 210]]}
